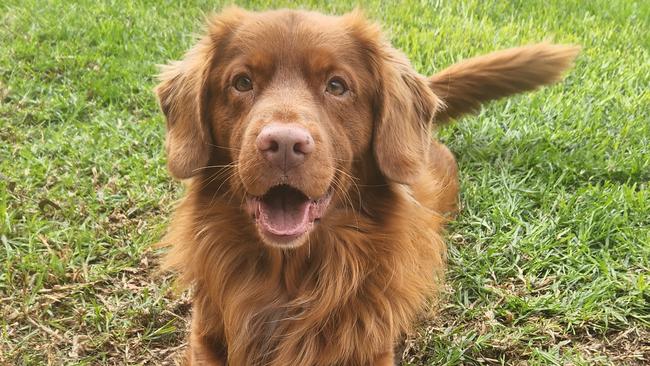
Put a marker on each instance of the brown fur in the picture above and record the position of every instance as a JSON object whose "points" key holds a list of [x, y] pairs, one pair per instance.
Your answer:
{"points": [[346, 293], [470, 83]]}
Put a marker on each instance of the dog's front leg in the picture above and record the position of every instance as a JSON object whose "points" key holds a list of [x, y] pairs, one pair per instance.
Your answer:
{"points": [[203, 350], [200, 354], [385, 359]]}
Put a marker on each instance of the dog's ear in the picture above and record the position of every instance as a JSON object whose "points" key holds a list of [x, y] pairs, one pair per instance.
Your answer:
{"points": [[466, 85], [182, 94], [406, 107], [404, 104]]}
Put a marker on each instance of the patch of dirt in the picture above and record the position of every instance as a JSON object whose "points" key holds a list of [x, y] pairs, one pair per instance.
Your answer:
{"points": [[56, 329]]}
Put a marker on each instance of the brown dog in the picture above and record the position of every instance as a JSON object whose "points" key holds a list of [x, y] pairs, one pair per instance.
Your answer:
{"points": [[316, 196]]}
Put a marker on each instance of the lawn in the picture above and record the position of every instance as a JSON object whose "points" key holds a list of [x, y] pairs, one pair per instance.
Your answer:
{"points": [[549, 261]]}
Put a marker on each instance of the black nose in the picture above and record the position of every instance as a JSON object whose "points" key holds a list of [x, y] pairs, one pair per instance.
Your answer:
{"points": [[285, 146]]}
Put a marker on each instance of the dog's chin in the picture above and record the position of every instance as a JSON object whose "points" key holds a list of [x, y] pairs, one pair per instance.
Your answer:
{"points": [[285, 216]]}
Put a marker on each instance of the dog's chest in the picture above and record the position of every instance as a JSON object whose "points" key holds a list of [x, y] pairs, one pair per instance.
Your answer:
{"points": [[275, 325]]}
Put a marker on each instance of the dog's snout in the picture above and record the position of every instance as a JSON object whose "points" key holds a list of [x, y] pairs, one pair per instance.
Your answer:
{"points": [[285, 146]]}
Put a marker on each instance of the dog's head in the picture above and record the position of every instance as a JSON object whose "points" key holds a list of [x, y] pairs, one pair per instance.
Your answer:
{"points": [[287, 107], [289, 101]]}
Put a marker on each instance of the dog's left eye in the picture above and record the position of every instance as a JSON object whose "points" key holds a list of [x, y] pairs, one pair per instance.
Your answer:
{"points": [[243, 83], [336, 86]]}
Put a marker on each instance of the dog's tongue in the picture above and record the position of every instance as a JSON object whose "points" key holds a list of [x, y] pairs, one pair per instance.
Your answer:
{"points": [[284, 211]]}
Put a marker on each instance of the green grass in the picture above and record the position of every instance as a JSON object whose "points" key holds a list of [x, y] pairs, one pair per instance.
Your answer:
{"points": [[549, 259]]}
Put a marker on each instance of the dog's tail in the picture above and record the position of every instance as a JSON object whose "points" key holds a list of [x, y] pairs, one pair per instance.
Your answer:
{"points": [[468, 84]]}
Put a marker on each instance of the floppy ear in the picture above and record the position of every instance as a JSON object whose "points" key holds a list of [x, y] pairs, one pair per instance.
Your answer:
{"points": [[403, 128], [403, 103], [182, 94], [466, 85]]}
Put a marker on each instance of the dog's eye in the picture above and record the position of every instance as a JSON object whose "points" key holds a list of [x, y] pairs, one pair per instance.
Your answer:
{"points": [[336, 86], [243, 83]]}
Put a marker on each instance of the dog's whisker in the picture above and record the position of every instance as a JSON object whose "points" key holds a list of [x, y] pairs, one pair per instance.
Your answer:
{"points": [[218, 174], [373, 185], [231, 165], [225, 181], [223, 147], [353, 181], [340, 192], [345, 160]]}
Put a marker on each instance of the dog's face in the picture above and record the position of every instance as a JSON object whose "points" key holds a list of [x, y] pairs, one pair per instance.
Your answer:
{"points": [[290, 101], [295, 108]]}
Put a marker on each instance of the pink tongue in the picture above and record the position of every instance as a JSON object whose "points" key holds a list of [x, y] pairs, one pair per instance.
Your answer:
{"points": [[285, 214]]}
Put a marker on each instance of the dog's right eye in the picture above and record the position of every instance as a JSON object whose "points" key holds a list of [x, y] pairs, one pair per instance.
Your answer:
{"points": [[243, 83], [336, 86]]}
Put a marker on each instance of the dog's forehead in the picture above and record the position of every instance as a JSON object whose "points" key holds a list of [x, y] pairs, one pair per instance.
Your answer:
{"points": [[285, 28], [291, 35]]}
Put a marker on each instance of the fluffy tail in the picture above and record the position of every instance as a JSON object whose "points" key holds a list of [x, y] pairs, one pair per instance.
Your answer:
{"points": [[470, 83]]}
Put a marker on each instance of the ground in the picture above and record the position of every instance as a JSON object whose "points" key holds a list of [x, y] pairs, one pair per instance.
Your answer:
{"points": [[548, 260]]}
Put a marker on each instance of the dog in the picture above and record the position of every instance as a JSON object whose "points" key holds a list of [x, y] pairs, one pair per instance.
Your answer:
{"points": [[312, 226]]}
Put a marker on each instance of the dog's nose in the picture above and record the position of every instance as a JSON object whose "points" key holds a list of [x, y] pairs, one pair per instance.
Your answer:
{"points": [[285, 146]]}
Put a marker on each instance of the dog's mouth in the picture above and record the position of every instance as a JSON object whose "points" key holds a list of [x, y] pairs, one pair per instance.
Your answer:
{"points": [[284, 213]]}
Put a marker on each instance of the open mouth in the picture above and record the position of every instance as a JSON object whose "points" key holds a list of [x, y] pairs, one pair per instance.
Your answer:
{"points": [[284, 213]]}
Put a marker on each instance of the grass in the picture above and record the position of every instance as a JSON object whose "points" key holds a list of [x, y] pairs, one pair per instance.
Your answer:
{"points": [[549, 260]]}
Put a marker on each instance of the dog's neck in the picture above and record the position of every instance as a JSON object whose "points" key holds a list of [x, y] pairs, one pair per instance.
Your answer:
{"points": [[352, 255]]}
